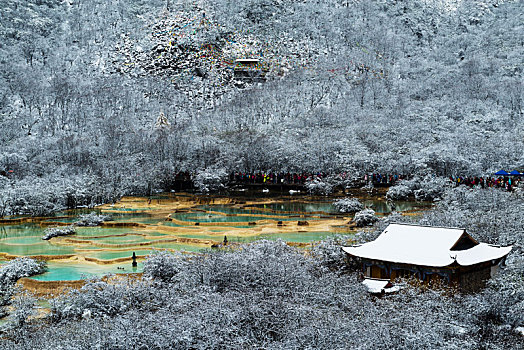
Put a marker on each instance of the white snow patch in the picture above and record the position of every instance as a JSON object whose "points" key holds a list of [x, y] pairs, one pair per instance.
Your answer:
{"points": [[520, 330], [375, 286]]}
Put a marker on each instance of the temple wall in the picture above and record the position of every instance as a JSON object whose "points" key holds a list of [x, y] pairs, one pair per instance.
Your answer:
{"points": [[468, 279], [472, 281]]}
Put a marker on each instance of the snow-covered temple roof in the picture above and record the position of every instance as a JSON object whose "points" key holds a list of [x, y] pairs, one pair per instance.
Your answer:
{"points": [[426, 246]]}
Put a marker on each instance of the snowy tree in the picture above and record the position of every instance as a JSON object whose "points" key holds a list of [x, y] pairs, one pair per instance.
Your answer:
{"points": [[91, 219], [365, 217], [211, 179], [348, 205], [58, 231]]}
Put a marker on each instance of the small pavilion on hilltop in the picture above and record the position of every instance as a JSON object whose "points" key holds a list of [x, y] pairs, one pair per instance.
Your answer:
{"points": [[250, 69], [448, 255]]}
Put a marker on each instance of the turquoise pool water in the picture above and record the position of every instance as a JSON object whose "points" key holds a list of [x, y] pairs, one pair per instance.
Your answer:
{"points": [[211, 218], [301, 207], [120, 242], [59, 271]]}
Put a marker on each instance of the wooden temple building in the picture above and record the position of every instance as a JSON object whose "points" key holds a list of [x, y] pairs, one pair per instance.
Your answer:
{"points": [[448, 255]]}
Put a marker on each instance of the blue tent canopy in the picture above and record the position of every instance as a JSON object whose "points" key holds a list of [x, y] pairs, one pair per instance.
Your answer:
{"points": [[501, 172], [516, 173]]}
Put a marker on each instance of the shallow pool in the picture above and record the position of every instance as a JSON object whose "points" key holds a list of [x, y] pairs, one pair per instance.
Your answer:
{"points": [[71, 271], [107, 243]]}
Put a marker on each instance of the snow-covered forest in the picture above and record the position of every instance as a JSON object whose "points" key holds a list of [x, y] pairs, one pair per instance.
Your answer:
{"points": [[268, 295], [104, 98]]}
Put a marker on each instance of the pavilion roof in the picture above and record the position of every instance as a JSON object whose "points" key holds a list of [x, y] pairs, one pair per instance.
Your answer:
{"points": [[426, 246]]}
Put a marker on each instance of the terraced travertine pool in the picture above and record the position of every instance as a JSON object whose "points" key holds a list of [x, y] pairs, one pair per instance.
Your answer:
{"points": [[188, 223]]}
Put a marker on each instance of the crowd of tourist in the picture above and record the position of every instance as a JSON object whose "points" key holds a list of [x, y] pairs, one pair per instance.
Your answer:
{"points": [[272, 178], [507, 182], [377, 179], [383, 179]]}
